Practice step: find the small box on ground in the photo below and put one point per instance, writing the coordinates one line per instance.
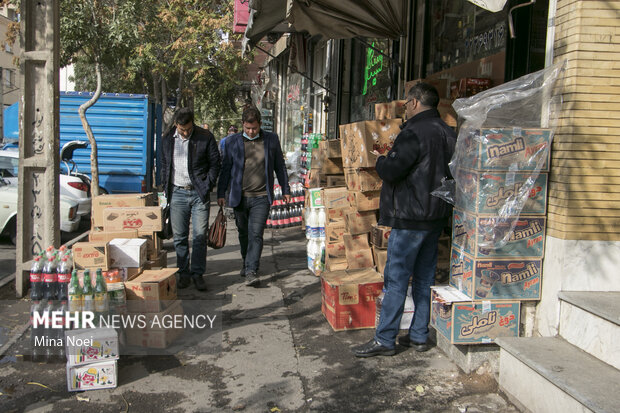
(136, 218)
(89, 345)
(152, 290)
(463, 321)
(91, 255)
(348, 298)
(94, 376)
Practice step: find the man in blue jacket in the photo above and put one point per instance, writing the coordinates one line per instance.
(412, 169)
(190, 166)
(250, 160)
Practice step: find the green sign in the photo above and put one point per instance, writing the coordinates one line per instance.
(374, 66)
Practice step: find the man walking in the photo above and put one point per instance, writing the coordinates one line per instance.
(412, 169)
(190, 166)
(250, 159)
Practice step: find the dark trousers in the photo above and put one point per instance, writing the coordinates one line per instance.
(251, 218)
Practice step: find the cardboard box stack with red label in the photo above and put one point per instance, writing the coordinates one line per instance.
(498, 233)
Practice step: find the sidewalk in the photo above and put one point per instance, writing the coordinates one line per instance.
(278, 354)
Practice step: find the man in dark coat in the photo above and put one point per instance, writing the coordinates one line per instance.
(250, 160)
(412, 169)
(190, 166)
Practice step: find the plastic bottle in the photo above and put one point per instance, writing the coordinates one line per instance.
(49, 252)
(88, 293)
(50, 280)
(36, 281)
(50, 333)
(64, 277)
(311, 253)
(286, 216)
(36, 333)
(308, 227)
(101, 297)
(321, 223)
(75, 295)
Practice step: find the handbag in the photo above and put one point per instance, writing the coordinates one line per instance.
(166, 232)
(217, 231)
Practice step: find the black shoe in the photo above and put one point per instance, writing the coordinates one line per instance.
(184, 282)
(373, 348)
(419, 347)
(242, 272)
(251, 279)
(200, 283)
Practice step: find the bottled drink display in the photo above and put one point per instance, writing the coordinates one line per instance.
(36, 281)
(283, 214)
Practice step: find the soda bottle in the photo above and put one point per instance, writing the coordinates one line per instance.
(50, 333)
(75, 295)
(269, 223)
(64, 277)
(88, 293)
(50, 280)
(101, 297)
(321, 223)
(36, 333)
(50, 251)
(36, 283)
(286, 217)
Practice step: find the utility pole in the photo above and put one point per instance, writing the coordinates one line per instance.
(38, 199)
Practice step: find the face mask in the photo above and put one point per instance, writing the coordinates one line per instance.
(245, 135)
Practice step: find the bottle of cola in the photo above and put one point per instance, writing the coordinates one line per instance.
(36, 332)
(64, 277)
(36, 282)
(50, 280)
(286, 216)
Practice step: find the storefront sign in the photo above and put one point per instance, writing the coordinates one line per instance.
(374, 66)
(487, 42)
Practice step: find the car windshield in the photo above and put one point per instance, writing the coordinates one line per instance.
(8, 166)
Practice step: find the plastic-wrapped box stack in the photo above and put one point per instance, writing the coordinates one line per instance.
(92, 355)
(498, 233)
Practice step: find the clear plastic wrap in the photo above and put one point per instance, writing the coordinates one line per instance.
(502, 156)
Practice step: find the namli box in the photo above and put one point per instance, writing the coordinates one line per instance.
(463, 321)
(359, 139)
(348, 298)
(138, 218)
(496, 279)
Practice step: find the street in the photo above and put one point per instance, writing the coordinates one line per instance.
(277, 353)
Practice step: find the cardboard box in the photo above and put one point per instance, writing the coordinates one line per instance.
(348, 298)
(154, 334)
(326, 165)
(335, 180)
(360, 222)
(153, 290)
(477, 235)
(496, 279)
(127, 252)
(160, 262)
(315, 197)
(463, 321)
(360, 138)
(137, 218)
(334, 233)
(89, 345)
(362, 179)
(507, 149)
(486, 193)
(334, 151)
(336, 263)
(380, 256)
(334, 198)
(366, 201)
(314, 179)
(101, 375)
(336, 216)
(390, 110)
(101, 202)
(442, 86)
(447, 112)
(128, 273)
(379, 236)
(356, 242)
(153, 244)
(335, 250)
(107, 236)
(91, 255)
(358, 259)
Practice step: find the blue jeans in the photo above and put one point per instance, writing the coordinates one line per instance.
(183, 205)
(409, 252)
(251, 218)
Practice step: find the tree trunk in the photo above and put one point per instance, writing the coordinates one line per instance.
(156, 88)
(94, 164)
(180, 88)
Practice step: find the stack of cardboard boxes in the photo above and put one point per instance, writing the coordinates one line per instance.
(497, 236)
(92, 355)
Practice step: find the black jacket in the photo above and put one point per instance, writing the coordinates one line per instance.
(203, 162)
(412, 169)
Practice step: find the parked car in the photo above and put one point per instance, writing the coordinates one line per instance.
(69, 219)
(70, 186)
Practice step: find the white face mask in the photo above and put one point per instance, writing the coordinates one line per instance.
(245, 135)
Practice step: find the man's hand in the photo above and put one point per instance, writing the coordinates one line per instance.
(221, 202)
(375, 152)
(287, 198)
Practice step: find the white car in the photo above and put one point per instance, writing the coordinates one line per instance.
(69, 219)
(70, 186)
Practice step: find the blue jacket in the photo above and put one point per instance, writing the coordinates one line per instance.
(203, 162)
(234, 162)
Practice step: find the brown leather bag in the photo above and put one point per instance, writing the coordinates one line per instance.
(217, 231)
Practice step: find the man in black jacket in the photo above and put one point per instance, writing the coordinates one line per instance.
(190, 166)
(412, 169)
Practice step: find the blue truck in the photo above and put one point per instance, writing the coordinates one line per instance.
(127, 128)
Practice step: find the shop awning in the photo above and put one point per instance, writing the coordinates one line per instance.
(333, 19)
(343, 19)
